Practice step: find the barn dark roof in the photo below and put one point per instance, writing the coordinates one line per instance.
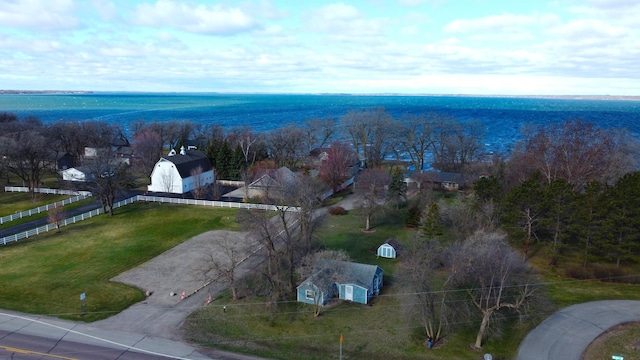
(190, 161)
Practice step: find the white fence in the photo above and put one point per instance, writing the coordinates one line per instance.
(38, 210)
(73, 220)
(46, 191)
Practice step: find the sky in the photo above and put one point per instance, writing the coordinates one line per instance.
(514, 47)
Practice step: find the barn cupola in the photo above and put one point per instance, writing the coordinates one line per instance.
(183, 151)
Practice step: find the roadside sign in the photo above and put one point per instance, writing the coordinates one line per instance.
(83, 296)
(617, 357)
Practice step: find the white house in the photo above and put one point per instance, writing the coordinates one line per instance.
(181, 173)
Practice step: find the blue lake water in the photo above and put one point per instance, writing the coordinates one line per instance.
(502, 117)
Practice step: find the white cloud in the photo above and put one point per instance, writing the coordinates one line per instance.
(344, 23)
(106, 10)
(216, 19)
(500, 23)
(38, 14)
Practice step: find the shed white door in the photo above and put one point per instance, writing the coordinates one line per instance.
(348, 292)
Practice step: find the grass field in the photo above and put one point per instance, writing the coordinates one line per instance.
(381, 331)
(13, 202)
(47, 274)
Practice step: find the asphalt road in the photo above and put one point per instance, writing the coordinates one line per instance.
(21, 346)
(45, 335)
(566, 334)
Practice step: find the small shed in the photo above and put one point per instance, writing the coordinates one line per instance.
(389, 249)
(80, 173)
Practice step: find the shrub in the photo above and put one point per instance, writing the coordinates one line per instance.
(337, 210)
(611, 273)
(579, 272)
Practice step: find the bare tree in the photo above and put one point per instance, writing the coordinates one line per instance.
(200, 189)
(318, 132)
(337, 167)
(321, 270)
(419, 270)
(370, 132)
(455, 143)
(111, 178)
(223, 259)
(370, 188)
(414, 138)
(286, 146)
(26, 153)
(495, 277)
(55, 216)
(147, 149)
(268, 237)
(576, 151)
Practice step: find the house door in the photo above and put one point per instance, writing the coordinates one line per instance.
(348, 292)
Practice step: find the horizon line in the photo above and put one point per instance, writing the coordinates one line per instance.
(559, 96)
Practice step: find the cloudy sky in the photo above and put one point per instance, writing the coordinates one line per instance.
(317, 46)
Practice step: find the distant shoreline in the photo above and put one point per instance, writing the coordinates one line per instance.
(568, 97)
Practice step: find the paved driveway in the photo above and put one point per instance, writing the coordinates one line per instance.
(566, 334)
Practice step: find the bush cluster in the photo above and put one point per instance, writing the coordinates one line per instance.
(337, 210)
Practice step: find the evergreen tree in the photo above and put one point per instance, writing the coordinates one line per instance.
(432, 226)
(621, 227)
(588, 215)
(397, 191)
(413, 215)
(237, 164)
(522, 210)
(488, 188)
(212, 151)
(224, 159)
(558, 199)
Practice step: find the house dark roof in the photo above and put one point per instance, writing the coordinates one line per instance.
(191, 160)
(434, 176)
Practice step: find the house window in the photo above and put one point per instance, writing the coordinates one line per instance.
(310, 294)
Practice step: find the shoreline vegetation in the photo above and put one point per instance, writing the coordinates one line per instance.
(523, 96)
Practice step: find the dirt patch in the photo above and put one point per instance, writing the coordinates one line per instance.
(182, 268)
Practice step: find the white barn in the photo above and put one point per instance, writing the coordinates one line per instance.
(181, 173)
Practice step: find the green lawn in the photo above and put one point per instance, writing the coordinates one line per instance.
(47, 274)
(380, 331)
(13, 202)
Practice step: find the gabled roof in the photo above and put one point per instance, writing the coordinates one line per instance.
(353, 273)
(191, 160)
(361, 274)
(394, 243)
(274, 178)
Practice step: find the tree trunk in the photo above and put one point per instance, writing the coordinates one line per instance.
(486, 315)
